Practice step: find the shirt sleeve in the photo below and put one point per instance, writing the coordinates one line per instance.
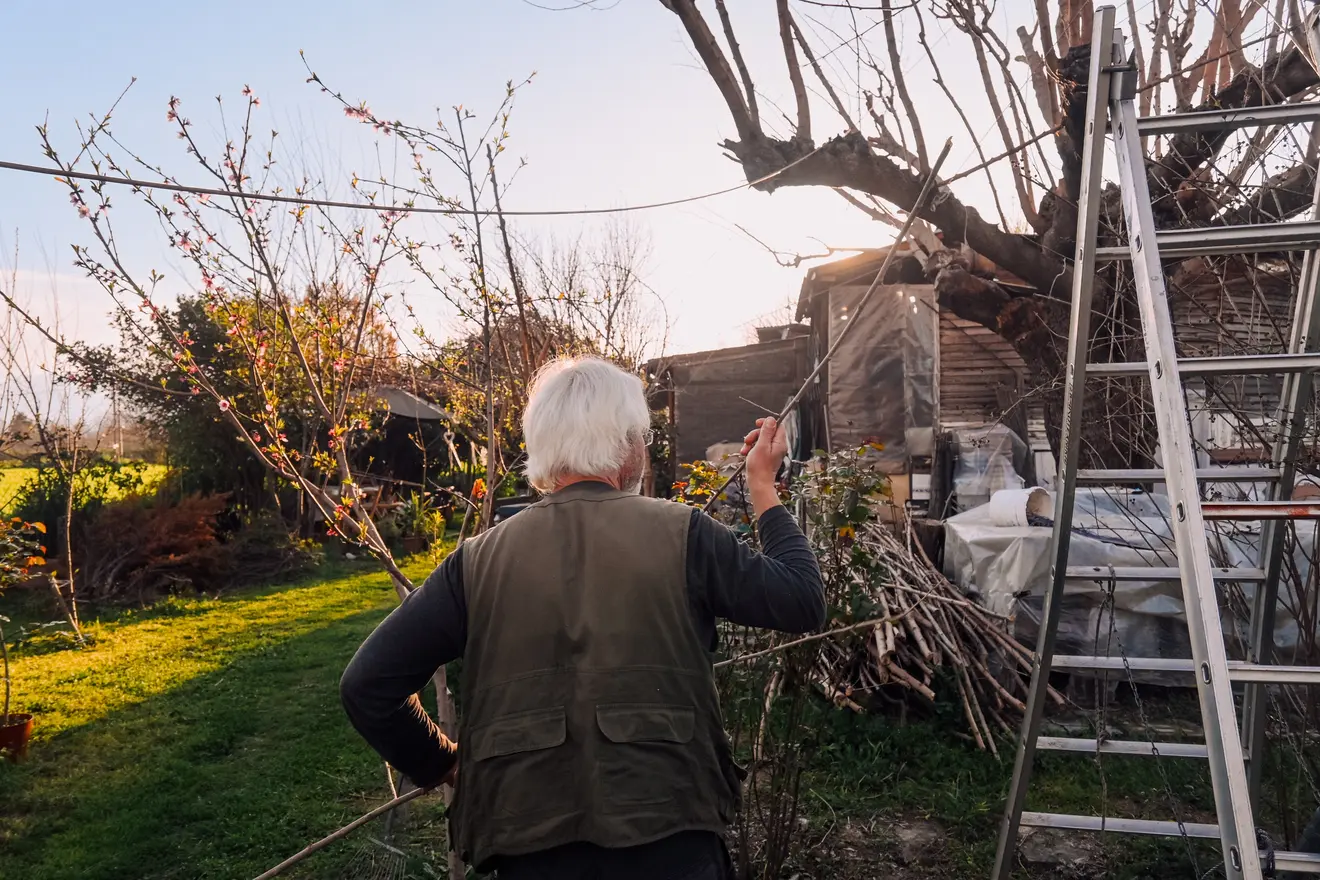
(380, 686)
(779, 588)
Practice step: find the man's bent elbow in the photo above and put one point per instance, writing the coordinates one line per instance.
(351, 685)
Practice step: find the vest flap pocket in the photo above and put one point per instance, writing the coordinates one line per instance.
(646, 722)
(523, 732)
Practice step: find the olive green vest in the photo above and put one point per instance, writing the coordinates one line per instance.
(589, 704)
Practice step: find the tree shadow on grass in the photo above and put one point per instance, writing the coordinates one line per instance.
(221, 777)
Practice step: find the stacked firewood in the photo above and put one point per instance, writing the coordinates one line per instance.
(931, 636)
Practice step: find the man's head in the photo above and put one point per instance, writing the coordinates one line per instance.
(586, 419)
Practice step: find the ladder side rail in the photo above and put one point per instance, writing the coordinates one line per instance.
(1296, 394)
(1079, 335)
(1219, 717)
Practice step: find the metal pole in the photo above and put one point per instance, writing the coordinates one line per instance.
(1079, 335)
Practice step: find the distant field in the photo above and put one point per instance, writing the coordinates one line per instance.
(12, 480)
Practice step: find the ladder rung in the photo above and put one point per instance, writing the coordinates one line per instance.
(1302, 863)
(1120, 826)
(1136, 664)
(1214, 366)
(1215, 240)
(1157, 573)
(1265, 673)
(1121, 747)
(1238, 671)
(1260, 510)
(1238, 474)
(1223, 120)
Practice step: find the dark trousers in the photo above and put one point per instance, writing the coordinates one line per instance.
(688, 856)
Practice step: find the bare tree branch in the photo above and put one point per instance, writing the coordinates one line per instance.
(749, 88)
(803, 133)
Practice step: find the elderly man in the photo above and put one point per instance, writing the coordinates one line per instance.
(592, 744)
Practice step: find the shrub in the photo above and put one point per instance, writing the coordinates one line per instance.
(45, 496)
(142, 547)
(145, 546)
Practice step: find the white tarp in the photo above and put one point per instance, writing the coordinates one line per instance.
(1008, 566)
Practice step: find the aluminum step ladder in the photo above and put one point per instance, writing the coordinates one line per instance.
(1235, 756)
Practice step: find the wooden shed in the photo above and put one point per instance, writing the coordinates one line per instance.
(715, 397)
(976, 378)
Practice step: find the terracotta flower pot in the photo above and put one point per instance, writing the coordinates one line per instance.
(14, 736)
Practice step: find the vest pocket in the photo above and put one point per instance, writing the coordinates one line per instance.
(647, 757)
(519, 770)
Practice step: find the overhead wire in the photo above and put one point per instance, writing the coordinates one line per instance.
(137, 183)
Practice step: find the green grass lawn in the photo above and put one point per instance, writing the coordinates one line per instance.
(202, 738)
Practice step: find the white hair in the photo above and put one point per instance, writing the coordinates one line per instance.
(586, 417)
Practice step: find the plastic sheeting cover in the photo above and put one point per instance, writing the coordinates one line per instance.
(989, 459)
(1009, 568)
(882, 379)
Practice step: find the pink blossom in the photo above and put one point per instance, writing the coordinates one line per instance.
(203, 198)
(171, 116)
(195, 390)
(82, 211)
(270, 408)
(247, 91)
(256, 438)
(256, 102)
(224, 406)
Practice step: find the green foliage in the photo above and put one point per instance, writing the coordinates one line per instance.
(20, 548)
(420, 517)
(699, 484)
(231, 340)
(45, 495)
(838, 494)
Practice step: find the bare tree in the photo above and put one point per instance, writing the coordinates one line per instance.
(1189, 55)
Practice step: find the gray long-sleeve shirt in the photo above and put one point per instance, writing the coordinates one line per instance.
(779, 588)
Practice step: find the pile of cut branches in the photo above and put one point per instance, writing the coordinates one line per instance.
(897, 627)
(931, 637)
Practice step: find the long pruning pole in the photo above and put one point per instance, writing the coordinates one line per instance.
(342, 832)
(926, 187)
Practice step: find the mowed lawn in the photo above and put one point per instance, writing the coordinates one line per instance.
(202, 738)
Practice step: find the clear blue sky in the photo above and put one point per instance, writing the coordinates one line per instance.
(620, 113)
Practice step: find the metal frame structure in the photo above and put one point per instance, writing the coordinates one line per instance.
(1234, 755)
